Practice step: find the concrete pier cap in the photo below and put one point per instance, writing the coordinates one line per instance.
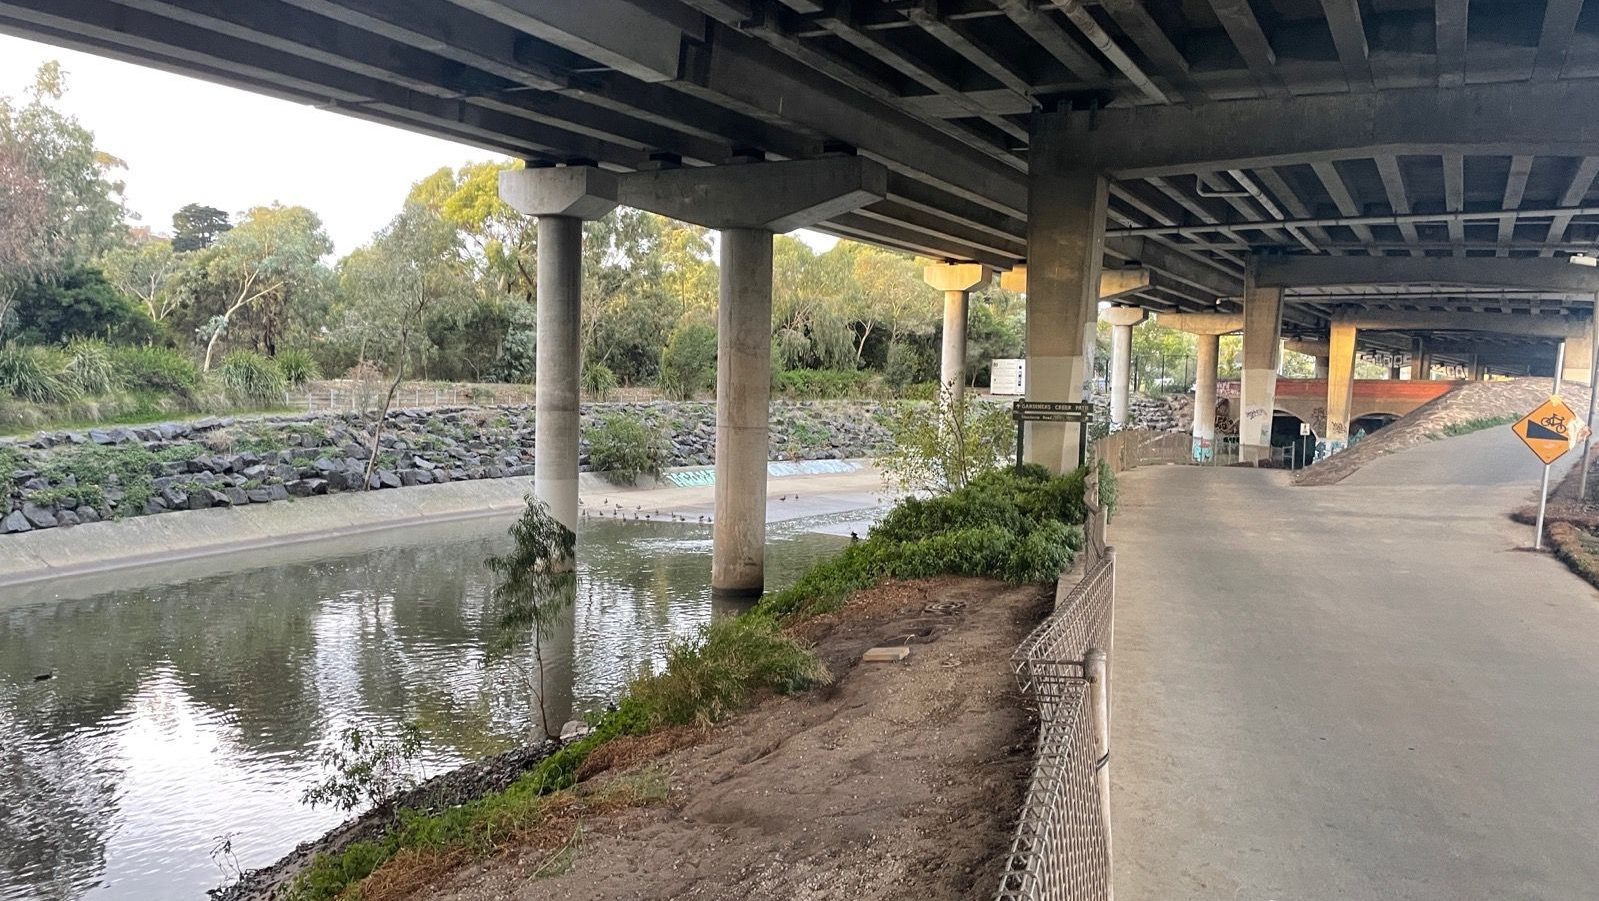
(577, 192)
(1113, 283)
(748, 202)
(774, 196)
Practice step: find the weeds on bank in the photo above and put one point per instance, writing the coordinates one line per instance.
(1020, 526)
(1456, 429)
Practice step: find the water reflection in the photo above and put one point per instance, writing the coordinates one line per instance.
(183, 707)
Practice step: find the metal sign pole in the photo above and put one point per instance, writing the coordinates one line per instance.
(1543, 503)
(1543, 490)
(1593, 400)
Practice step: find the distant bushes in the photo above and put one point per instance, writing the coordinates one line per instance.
(251, 380)
(156, 370)
(688, 364)
(36, 375)
(624, 448)
(823, 384)
(297, 366)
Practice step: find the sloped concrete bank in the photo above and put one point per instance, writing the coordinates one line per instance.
(684, 493)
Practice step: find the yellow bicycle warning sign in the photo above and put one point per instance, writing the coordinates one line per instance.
(1551, 430)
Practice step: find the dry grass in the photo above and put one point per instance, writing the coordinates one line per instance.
(551, 836)
(631, 751)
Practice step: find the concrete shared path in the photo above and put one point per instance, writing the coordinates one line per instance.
(1366, 691)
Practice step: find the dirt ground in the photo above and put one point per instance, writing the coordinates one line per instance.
(1472, 400)
(900, 780)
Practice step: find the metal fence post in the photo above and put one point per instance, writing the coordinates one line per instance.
(1097, 668)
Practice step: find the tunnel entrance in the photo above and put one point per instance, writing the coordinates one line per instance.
(1369, 423)
(1299, 450)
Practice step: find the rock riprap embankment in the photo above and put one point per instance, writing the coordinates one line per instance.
(66, 478)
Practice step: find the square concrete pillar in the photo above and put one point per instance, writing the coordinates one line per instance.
(1340, 385)
(1263, 323)
(1578, 367)
(1065, 246)
(1207, 353)
(1420, 361)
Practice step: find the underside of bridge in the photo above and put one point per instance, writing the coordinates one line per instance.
(1404, 179)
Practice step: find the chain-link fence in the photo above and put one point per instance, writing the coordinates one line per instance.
(1061, 849)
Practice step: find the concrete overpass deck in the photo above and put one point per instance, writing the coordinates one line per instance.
(1357, 692)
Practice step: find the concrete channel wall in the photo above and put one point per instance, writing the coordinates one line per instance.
(95, 547)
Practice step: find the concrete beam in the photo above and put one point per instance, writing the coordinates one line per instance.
(1536, 273)
(1113, 283)
(1478, 120)
(577, 192)
(642, 40)
(739, 71)
(1503, 323)
(776, 197)
(1202, 323)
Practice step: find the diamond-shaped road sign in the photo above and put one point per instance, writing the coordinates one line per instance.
(1551, 430)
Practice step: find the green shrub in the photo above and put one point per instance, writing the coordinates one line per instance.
(688, 365)
(89, 366)
(624, 448)
(1016, 525)
(821, 384)
(37, 375)
(945, 446)
(298, 367)
(155, 370)
(251, 380)
(908, 365)
(598, 380)
(732, 660)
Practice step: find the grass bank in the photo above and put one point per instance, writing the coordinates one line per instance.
(1017, 526)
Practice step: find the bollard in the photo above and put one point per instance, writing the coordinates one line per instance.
(1096, 667)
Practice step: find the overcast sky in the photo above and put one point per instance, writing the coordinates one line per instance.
(191, 141)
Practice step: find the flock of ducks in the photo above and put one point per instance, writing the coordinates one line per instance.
(609, 510)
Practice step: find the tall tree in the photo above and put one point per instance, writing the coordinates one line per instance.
(196, 227)
(498, 239)
(254, 274)
(145, 272)
(48, 159)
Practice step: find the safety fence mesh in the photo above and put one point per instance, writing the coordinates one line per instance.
(1061, 849)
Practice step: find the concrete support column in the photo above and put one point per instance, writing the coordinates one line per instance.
(1323, 367)
(956, 281)
(1393, 373)
(1065, 247)
(561, 198)
(1263, 320)
(556, 424)
(1420, 361)
(1207, 353)
(743, 389)
(1579, 357)
(1122, 320)
(1340, 385)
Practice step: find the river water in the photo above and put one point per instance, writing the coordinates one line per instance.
(187, 704)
